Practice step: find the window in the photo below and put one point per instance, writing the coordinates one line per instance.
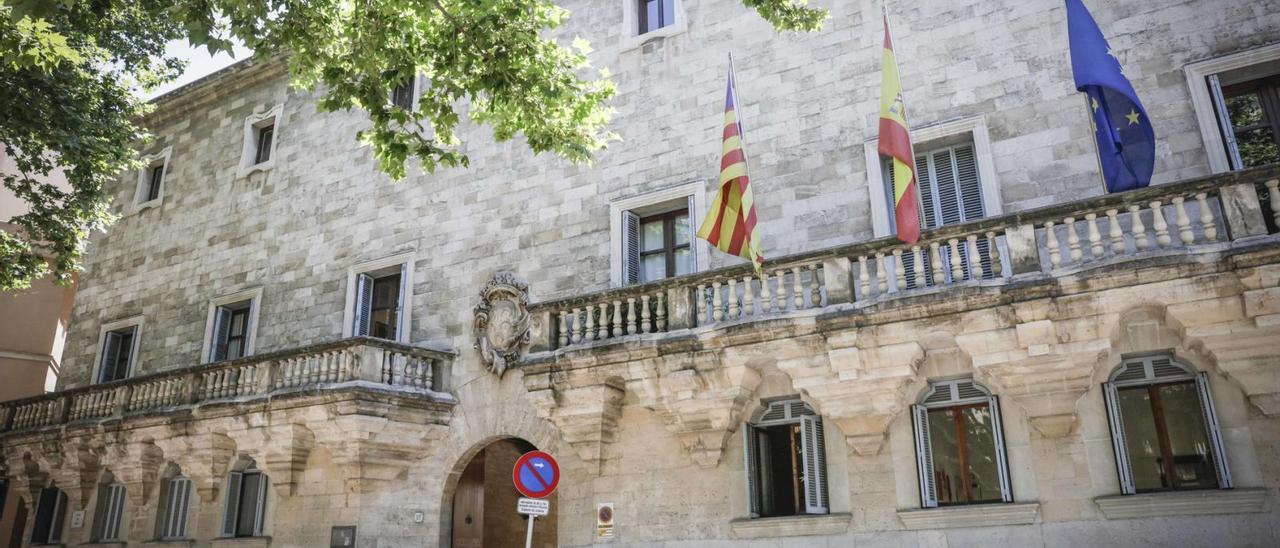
(1235, 101)
(118, 351)
(378, 299)
(51, 509)
(404, 95)
(246, 503)
(960, 450)
(652, 235)
(175, 501)
(1164, 429)
(151, 178)
(231, 331)
(265, 135)
(108, 512)
(260, 141)
(786, 464)
(655, 14)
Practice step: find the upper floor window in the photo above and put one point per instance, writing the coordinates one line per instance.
(51, 509)
(118, 350)
(266, 135)
(652, 234)
(404, 95)
(379, 299)
(786, 463)
(232, 323)
(1164, 429)
(960, 449)
(246, 502)
(175, 501)
(108, 512)
(260, 141)
(151, 178)
(655, 14)
(1237, 103)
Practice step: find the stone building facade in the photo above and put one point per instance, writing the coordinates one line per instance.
(275, 344)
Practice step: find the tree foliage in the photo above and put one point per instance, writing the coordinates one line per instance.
(72, 71)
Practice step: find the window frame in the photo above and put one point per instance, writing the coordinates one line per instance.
(1202, 97)
(173, 512)
(108, 512)
(57, 521)
(632, 39)
(351, 313)
(136, 322)
(141, 192)
(415, 85)
(815, 493)
(669, 245)
(959, 394)
(230, 525)
(253, 125)
(1184, 373)
(988, 180)
(254, 296)
(620, 210)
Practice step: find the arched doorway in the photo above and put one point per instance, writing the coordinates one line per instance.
(484, 502)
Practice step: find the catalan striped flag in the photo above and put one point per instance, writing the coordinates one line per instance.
(730, 225)
(895, 142)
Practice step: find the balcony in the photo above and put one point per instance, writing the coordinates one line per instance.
(373, 367)
(1029, 302)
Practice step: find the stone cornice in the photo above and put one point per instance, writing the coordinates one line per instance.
(1214, 501)
(977, 515)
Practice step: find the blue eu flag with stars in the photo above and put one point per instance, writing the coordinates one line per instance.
(1126, 140)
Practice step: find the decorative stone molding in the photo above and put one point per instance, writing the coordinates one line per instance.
(978, 515)
(502, 321)
(137, 465)
(372, 448)
(74, 467)
(586, 416)
(790, 526)
(288, 447)
(203, 457)
(1216, 501)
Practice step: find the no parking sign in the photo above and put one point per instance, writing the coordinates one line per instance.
(536, 474)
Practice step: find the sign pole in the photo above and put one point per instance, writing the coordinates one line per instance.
(528, 536)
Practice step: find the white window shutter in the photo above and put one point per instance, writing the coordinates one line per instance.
(749, 452)
(1002, 458)
(815, 465)
(184, 508)
(110, 353)
(100, 513)
(1215, 433)
(59, 516)
(1224, 123)
(693, 235)
(630, 248)
(164, 510)
(232, 507)
(402, 304)
(221, 332)
(261, 508)
(968, 183)
(1118, 441)
(924, 456)
(115, 512)
(363, 304)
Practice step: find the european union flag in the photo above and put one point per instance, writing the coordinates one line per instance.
(1126, 140)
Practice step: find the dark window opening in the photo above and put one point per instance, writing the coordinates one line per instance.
(665, 249)
(780, 470)
(379, 304)
(117, 354)
(403, 94)
(1253, 113)
(154, 180)
(231, 331)
(51, 508)
(1166, 437)
(265, 136)
(655, 14)
(246, 504)
(965, 468)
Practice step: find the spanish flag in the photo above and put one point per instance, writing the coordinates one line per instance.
(895, 142)
(730, 225)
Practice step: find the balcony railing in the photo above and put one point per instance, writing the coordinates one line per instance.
(1198, 215)
(357, 361)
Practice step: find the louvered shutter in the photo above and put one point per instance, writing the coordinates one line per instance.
(749, 452)
(59, 514)
(402, 304)
(815, 465)
(115, 512)
(363, 304)
(164, 512)
(1118, 441)
(1002, 458)
(221, 333)
(261, 505)
(693, 256)
(1214, 432)
(176, 497)
(110, 355)
(232, 508)
(942, 170)
(968, 186)
(630, 247)
(100, 512)
(924, 456)
(1224, 123)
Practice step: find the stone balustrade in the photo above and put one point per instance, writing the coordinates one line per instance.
(357, 360)
(1058, 240)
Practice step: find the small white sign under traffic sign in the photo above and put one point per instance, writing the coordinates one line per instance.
(533, 507)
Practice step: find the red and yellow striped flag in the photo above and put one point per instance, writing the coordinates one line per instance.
(895, 142)
(730, 225)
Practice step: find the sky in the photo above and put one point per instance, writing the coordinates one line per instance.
(199, 64)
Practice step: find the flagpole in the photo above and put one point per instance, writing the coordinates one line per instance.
(1097, 152)
(742, 136)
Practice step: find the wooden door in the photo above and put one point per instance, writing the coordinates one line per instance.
(468, 506)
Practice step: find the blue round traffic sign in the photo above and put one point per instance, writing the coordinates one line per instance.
(536, 474)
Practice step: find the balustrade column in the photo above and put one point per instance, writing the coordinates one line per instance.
(1183, 221)
(631, 315)
(864, 277)
(717, 304)
(1114, 233)
(661, 312)
(882, 282)
(734, 311)
(781, 275)
(562, 339)
(617, 318)
(957, 268)
(993, 251)
(575, 334)
(1137, 229)
(975, 258)
(1159, 225)
(766, 298)
(1206, 217)
(701, 297)
(1273, 196)
(1051, 241)
(1073, 240)
(645, 325)
(748, 299)
(1095, 238)
(899, 270)
(935, 260)
(797, 289)
(815, 286)
(602, 330)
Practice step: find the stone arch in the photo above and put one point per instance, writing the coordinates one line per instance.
(494, 481)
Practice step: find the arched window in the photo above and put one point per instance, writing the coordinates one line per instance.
(175, 500)
(246, 502)
(108, 511)
(1163, 427)
(786, 464)
(51, 508)
(960, 445)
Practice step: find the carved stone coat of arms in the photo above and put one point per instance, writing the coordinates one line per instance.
(502, 321)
